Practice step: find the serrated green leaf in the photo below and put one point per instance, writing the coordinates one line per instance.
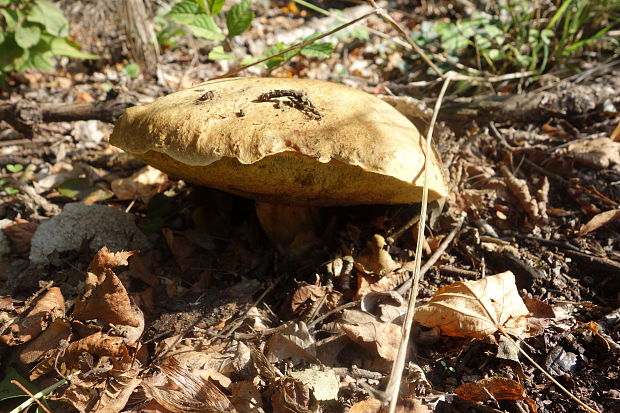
(239, 19)
(27, 36)
(215, 6)
(184, 12)
(318, 50)
(217, 53)
(14, 168)
(204, 26)
(63, 47)
(50, 16)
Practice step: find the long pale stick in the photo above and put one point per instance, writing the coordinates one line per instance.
(396, 375)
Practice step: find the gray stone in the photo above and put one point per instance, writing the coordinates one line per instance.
(102, 225)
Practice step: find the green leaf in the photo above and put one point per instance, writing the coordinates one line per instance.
(482, 42)
(39, 62)
(494, 33)
(451, 38)
(132, 70)
(215, 6)
(360, 33)
(50, 16)
(317, 50)
(7, 389)
(11, 17)
(14, 168)
(76, 188)
(10, 52)
(204, 26)
(239, 18)
(27, 36)
(64, 47)
(217, 53)
(184, 12)
(10, 190)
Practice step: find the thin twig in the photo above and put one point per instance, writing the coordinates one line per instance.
(393, 386)
(334, 311)
(297, 46)
(433, 258)
(405, 36)
(554, 381)
(29, 393)
(237, 323)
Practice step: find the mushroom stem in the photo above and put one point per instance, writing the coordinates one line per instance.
(292, 228)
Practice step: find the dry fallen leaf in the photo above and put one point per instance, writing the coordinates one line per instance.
(75, 356)
(597, 153)
(108, 302)
(324, 384)
(105, 259)
(518, 187)
(375, 259)
(295, 343)
(48, 308)
(476, 308)
(47, 340)
(20, 234)
(292, 396)
(494, 388)
(381, 339)
(305, 296)
(142, 185)
(599, 220)
(366, 406)
(246, 397)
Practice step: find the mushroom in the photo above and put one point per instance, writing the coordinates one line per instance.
(286, 143)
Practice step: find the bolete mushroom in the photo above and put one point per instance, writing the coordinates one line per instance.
(285, 143)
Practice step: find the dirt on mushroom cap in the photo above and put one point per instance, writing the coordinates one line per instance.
(295, 141)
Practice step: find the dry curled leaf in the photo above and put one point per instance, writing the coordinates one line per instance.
(518, 187)
(476, 308)
(108, 302)
(494, 388)
(105, 259)
(375, 259)
(599, 220)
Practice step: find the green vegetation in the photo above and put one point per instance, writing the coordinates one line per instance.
(31, 33)
(519, 36)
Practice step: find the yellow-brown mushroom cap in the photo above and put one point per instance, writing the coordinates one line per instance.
(292, 141)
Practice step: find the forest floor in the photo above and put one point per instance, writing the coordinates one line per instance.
(153, 294)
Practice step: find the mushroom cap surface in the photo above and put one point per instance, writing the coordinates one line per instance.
(291, 141)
